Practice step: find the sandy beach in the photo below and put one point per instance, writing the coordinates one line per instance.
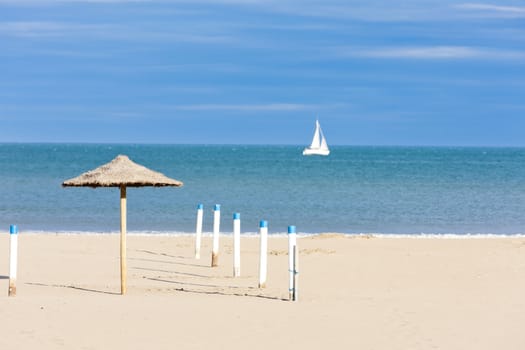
(354, 292)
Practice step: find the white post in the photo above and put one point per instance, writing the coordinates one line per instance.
(216, 227)
(296, 271)
(236, 245)
(13, 259)
(263, 261)
(198, 231)
(292, 262)
(123, 244)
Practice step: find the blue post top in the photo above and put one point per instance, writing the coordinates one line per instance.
(13, 229)
(236, 216)
(200, 206)
(263, 223)
(217, 207)
(291, 229)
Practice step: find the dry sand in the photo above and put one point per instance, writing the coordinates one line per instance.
(355, 293)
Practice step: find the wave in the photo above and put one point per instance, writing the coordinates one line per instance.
(284, 234)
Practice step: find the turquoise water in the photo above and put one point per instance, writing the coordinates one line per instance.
(390, 190)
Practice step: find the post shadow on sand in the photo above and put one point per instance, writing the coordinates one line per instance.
(183, 288)
(162, 254)
(168, 256)
(215, 292)
(171, 272)
(167, 262)
(185, 285)
(4, 277)
(70, 287)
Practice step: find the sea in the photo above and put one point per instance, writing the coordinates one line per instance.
(356, 190)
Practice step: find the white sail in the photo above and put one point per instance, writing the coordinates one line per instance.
(316, 142)
(318, 145)
(324, 145)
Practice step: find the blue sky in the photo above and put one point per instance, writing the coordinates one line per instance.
(375, 72)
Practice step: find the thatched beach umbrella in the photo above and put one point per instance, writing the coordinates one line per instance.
(121, 172)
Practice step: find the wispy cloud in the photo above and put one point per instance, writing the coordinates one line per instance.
(491, 10)
(54, 2)
(366, 10)
(274, 107)
(496, 8)
(51, 29)
(434, 53)
(439, 52)
(128, 32)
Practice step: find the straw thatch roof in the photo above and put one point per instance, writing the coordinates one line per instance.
(121, 171)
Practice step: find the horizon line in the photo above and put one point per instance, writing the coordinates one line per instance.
(336, 145)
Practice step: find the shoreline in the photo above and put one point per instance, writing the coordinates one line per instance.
(209, 234)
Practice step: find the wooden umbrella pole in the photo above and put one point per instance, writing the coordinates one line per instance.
(122, 240)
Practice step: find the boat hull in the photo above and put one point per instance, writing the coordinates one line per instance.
(315, 152)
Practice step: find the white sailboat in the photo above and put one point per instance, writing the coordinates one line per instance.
(318, 145)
